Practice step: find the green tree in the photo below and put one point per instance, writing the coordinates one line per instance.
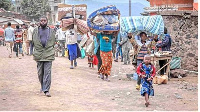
(34, 9)
(6, 4)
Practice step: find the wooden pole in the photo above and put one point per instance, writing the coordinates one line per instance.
(163, 67)
(129, 7)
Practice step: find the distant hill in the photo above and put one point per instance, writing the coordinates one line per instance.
(136, 8)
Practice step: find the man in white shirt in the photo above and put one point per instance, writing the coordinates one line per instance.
(29, 38)
(60, 36)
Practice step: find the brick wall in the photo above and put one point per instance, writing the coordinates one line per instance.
(173, 2)
(183, 28)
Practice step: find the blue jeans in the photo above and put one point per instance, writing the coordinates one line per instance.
(119, 51)
(19, 48)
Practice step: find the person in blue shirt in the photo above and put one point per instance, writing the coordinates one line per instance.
(165, 44)
(105, 40)
(119, 49)
(97, 53)
(9, 35)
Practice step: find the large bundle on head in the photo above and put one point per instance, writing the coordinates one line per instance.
(66, 11)
(69, 14)
(104, 19)
(135, 24)
(82, 26)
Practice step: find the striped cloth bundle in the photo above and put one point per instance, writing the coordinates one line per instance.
(81, 25)
(67, 22)
(135, 24)
(175, 63)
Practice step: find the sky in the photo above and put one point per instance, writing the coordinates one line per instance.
(145, 2)
(122, 5)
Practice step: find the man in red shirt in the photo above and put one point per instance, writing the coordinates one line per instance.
(18, 41)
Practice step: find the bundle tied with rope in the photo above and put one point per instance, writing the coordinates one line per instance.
(104, 19)
(71, 15)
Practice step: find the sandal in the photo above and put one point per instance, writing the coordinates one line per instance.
(137, 87)
(108, 80)
(102, 76)
(75, 64)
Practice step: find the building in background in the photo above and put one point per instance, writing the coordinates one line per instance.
(53, 4)
(195, 5)
(54, 10)
(13, 17)
(157, 6)
(17, 4)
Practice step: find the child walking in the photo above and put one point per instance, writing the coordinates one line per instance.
(146, 72)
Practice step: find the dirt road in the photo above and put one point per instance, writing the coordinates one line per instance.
(80, 89)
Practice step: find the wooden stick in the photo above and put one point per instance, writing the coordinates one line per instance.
(163, 66)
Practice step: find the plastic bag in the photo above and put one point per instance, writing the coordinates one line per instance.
(82, 53)
(66, 53)
(95, 60)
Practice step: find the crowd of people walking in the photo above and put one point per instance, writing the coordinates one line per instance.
(45, 43)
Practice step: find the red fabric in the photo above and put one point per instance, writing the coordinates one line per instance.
(18, 36)
(95, 60)
(143, 73)
(1, 32)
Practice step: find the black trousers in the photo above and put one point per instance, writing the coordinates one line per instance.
(162, 63)
(99, 58)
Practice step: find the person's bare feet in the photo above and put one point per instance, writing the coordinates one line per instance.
(10, 56)
(147, 104)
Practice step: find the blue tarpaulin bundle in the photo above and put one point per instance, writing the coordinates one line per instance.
(135, 24)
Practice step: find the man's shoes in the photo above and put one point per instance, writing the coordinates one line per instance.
(116, 60)
(47, 94)
(125, 64)
(71, 67)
